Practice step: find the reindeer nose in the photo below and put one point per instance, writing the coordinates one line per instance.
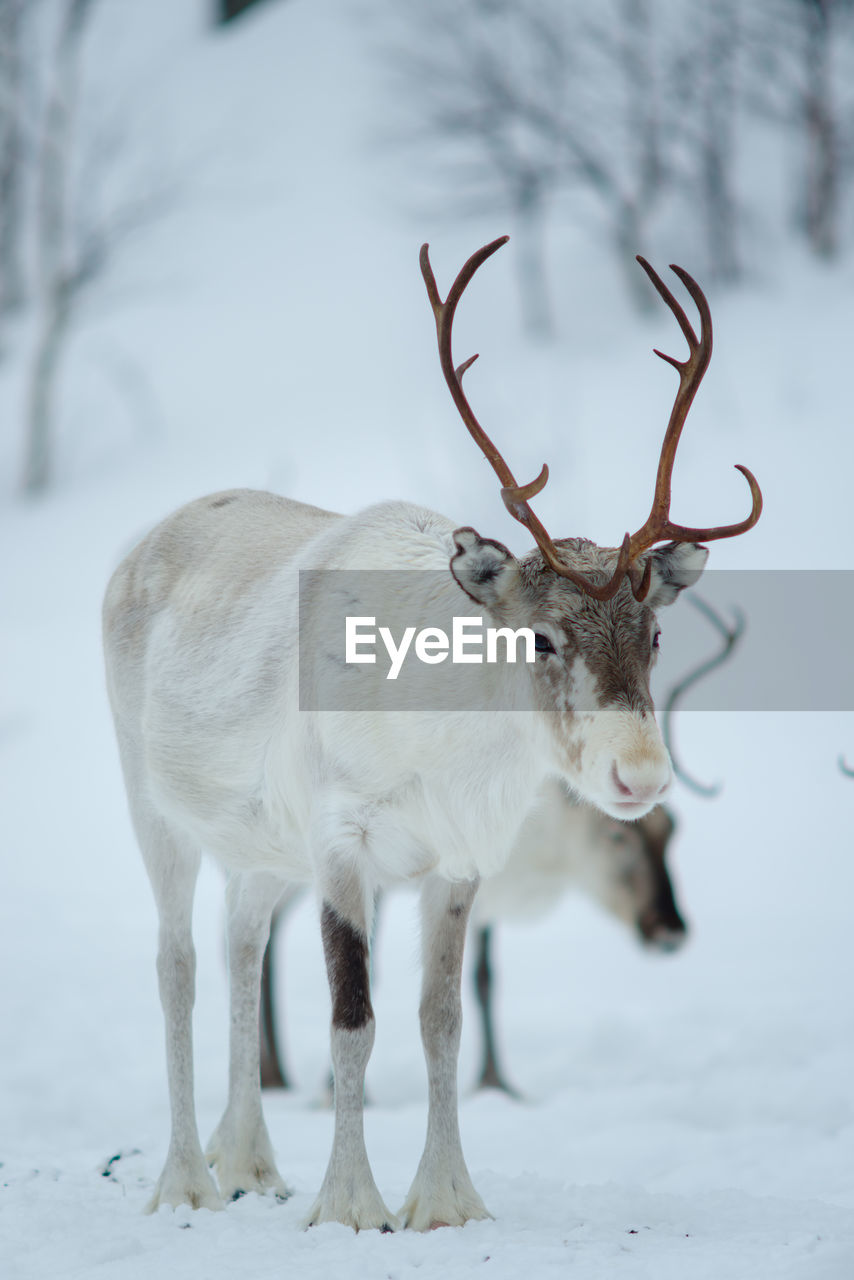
(659, 923)
(639, 785)
(660, 936)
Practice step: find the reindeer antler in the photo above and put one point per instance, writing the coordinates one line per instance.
(730, 637)
(516, 497)
(658, 526)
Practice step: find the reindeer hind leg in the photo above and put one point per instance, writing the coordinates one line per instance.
(172, 864)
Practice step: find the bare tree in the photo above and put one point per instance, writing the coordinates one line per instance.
(803, 51)
(704, 94)
(718, 108)
(61, 273)
(78, 231)
(12, 159)
(614, 135)
(484, 86)
(822, 27)
(527, 103)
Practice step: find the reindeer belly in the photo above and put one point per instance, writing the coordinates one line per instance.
(465, 840)
(228, 816)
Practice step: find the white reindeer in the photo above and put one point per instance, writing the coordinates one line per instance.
(216, 665)
(562, 846)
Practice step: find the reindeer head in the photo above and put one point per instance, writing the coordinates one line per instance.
(593, 608)
(623, 866)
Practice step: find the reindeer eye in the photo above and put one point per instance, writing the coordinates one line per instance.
(542, 643)
(656, 640)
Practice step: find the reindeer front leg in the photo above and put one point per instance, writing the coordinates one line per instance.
(442, 1193)
(349, 1193)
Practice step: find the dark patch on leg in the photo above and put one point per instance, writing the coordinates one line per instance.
(346, 951)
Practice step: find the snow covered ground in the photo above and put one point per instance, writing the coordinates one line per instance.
(688, 1117)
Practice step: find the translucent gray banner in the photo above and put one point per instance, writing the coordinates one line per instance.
(793, 655)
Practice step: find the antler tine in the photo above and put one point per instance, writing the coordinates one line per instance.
(444, 313)
(515, 496)
(658, 525)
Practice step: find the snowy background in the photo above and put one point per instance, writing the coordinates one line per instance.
(686, 1117)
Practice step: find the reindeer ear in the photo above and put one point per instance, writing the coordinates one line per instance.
(484, 569)
(674, 567)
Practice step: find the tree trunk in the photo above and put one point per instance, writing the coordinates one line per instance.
(821, 198)
(11, 157)
(535, 295)
(630, 237)
(40, 416)
(720, 208)
(58, 282)
(636, 192)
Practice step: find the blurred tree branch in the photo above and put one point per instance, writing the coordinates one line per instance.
(803, 55)
(78, 229)
(632, 109)
(12, 146)
(529, 102)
